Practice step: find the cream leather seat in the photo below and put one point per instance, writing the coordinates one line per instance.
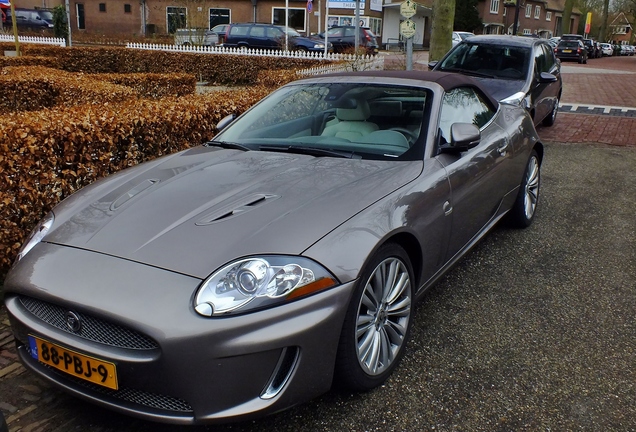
(352, 123)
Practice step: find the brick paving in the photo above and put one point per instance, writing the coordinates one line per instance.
(34, 406)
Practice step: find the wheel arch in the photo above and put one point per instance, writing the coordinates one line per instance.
(413, 249)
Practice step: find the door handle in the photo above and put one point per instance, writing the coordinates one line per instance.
(503, 148)
(448, 208)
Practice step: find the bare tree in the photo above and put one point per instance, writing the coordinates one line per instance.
(602, 33)
(442, 28)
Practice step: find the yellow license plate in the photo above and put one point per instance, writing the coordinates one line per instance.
(567, 51)
(78, 365)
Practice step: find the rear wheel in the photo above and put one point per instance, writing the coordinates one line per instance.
(378, 321)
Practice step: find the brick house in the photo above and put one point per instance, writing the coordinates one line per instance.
(620, 30)
(536, 17)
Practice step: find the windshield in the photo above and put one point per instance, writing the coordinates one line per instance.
(497, 61)
(371, 121)
(46, 15)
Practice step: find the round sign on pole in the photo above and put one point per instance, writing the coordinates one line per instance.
(310, 5)
(407, 29)
(408, 8)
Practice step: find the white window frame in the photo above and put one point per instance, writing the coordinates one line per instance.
(548, 16)
(527, 32)
(537, 12)
(229, 14)
(303, 10)
(168, 16)
(528, 10)
(494, 6)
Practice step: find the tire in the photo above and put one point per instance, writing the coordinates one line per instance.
(524, 209)
(375, 331)
(551, 118)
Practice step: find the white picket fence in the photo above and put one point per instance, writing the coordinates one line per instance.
(33, 39)
(346, 62)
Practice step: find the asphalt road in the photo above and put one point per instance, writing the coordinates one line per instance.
(533, 330)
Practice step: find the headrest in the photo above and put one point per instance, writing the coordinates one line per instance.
(360, 113)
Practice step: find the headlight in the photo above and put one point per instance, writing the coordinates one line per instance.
(259, 282)
(319, 46)
(36, 235)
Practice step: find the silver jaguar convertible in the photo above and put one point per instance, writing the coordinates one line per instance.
(250, 274)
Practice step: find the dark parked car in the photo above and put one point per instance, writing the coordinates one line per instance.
(590, 46)
(30, 19)
(269, 36)
(514, 69)
(571, 50)
(242, 277)
(343, 39)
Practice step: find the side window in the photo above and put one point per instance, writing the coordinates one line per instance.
(539, 60)
(463, 105)
(257, 32)
(274, 33)
(549, 58)
(349, 31)
(238, 30)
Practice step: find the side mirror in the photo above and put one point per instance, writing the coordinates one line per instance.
(432, 64)
(225, 121)
(546, 77)
(464, 136)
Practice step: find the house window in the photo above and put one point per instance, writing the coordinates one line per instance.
(527, 32)
(528, 11)
(127, 8)
(494, 6)
(102, 7)
(548, 16)
(219, 16)
(537, 12)
(175, 18)
(79, 12)
(296, 17)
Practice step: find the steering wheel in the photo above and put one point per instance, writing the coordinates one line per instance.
(409, 134)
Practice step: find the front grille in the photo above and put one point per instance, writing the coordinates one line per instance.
(93, 329)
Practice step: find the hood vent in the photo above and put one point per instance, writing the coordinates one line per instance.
(132, 192)
(238, 207)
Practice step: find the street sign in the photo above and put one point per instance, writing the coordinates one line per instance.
(407, 28)
(310, 5)
(408, 8)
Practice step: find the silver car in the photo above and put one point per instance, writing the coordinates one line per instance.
(244, 276)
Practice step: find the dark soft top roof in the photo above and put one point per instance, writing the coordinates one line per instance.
(446, 80)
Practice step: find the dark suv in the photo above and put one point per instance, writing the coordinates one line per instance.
(269, 36)
(343, 39)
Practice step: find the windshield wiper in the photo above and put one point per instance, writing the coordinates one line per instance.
(312, 151)
(227, 145)
(469, 72)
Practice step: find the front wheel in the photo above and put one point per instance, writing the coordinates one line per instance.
(551, 118)
(523, 210)
(378, 321)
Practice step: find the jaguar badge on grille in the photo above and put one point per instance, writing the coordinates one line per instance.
(73, 322)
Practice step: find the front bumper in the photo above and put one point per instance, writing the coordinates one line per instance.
(199, 370)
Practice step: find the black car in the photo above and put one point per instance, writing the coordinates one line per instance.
(571, 50)
(269, 36)
(514, 69)
(343, 39)
(590, 46)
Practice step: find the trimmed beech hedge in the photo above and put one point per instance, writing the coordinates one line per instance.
(218, 68)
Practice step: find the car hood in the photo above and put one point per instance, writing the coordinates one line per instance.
(196, 210)
(502, 88)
